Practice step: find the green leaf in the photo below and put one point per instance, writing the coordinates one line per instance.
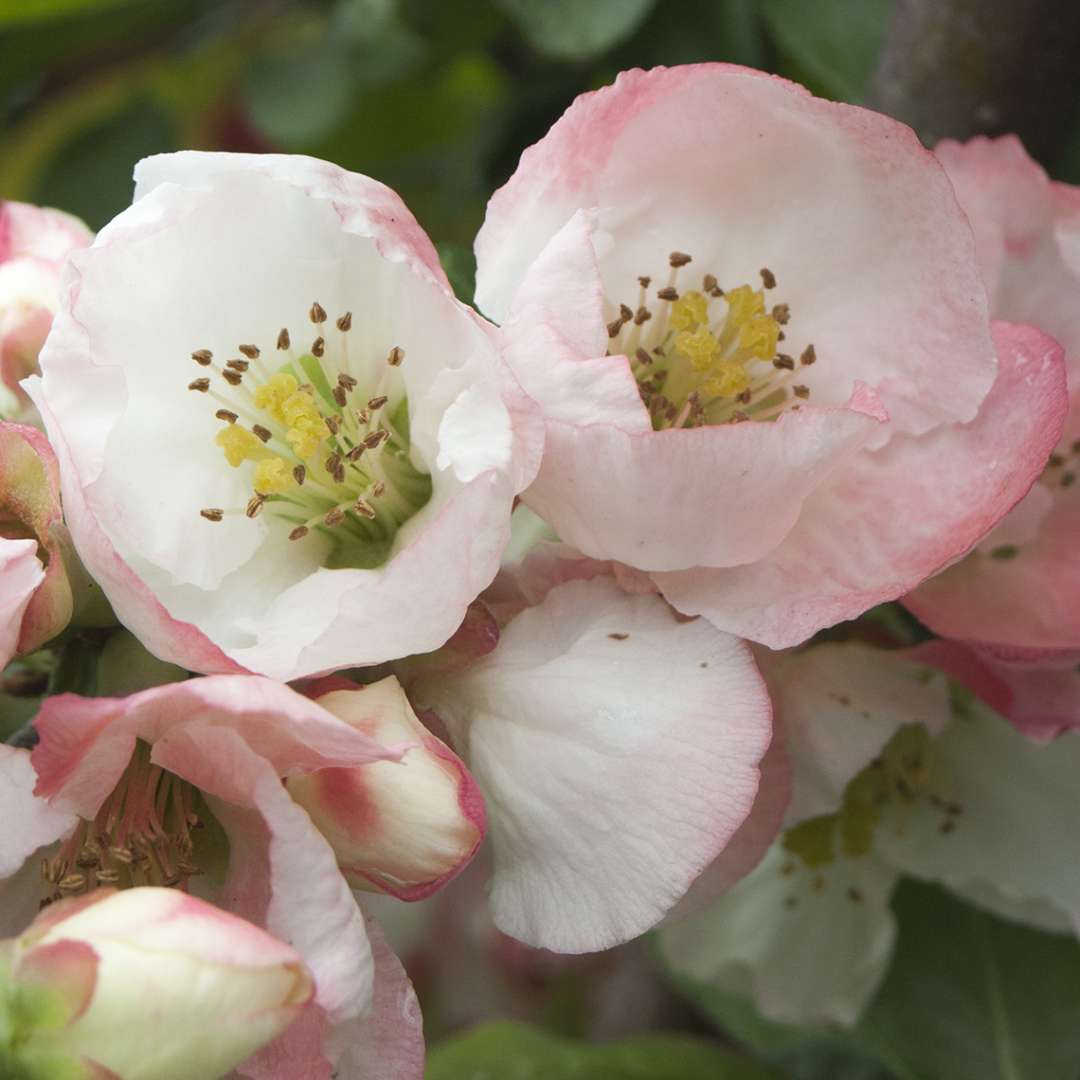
(972, 997)
(833, 43)
(459, 262)
(509, 1051)
(573, 30)
(18, 11)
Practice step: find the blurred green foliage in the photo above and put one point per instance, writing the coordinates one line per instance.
(435, 97)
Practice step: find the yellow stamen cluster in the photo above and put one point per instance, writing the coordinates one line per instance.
(711, 355)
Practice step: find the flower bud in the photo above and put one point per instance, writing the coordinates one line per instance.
(144, 984)
(402, 827)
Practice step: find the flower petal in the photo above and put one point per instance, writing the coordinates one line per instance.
(885, 521)
(618, 749)
(39, 824)
(21, 573)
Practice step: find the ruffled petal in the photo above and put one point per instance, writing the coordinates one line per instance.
(618, 749)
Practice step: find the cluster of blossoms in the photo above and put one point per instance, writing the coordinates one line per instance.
(397, 579)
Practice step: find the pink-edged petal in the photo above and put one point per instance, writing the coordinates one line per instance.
(1016, 591)
(282, 874)
(39, 231)
(86, 743)
(886, 521)
(753, 837)
(67, 970)
(618, 749)
(365, 207)
(662, 500)
(39, 824)
(387, 1043)
(21, 573)
(744, 170)
(403, 827)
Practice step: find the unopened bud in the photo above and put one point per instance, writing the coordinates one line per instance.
(402, 827)
(145, 984)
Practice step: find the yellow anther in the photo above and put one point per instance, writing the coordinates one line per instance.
(239, 444)
(299, 406)
(759, 336)
(699, 346)
(690, 310)
(273, 476)
(727, 380)
(743, 304)
(307, 429)
(812, 840)
(273, 394)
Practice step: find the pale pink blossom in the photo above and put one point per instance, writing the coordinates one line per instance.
(1020, 588)
(34, 242)
(147, 984)
(147, 789)
(793, 260)
(619, 747)
(285, 447)
(893, 774)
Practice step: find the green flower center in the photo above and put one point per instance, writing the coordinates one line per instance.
(324, 438)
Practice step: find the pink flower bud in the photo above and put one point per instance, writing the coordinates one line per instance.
(403, 827)
(145, 984)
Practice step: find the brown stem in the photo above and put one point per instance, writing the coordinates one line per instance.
(963, 67)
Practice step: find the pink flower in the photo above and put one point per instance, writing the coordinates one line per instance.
(619, 748)
(147, 789)
(34, 243)
(1020, 588)
(35, 592)
(303, 452)
(146, 984)
(759, 254)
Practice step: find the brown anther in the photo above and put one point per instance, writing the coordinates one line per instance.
(237, 365)
(644, 281)
(318, 348)
(614, 327)
(365, 510)
(227, 415)
(781, 336)
(641, 316)
(299, 532)
(668, 292)
(801, 391)
(317, 314)
(212, 513)
(88, 857)
(376, 437)
(344, 324)
(717, 291)
(71, 883)
(202, 357)
(678, 258)
(233, 378)
(335, 467)
(362, 417)
(107, 877)
(642, 357)
(261, 433)
(745, 397)
(738, 417)
(378, 489)
(808, 356)
(376, 403)
(708, 283)
(784, 362)
(397, 355)
(340, 396)
(255, 505)
(626, 313)
(122, 855)
(300, 475)
(250, 351)
(782, 313)
(768, 278)
(283, 339)
(334, 516)
(355, 453)
(200, 385)
(1055, 461)
(346, 381)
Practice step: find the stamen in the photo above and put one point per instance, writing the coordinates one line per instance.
(237, 365)
(199, 385)
(365, 510)
(801, 391)
(250, 351)
(768, 278)
(318, 347)
(784, 362)
(678, 258)
(344, 324)
(299, 475)
(232, 377)
(397, 355)
(202, 357)
(261, 433)
(228, 416)
(317, 314)
(377, 403)
(347, 382)
(299, 532)
(334, 516)
(212, 514)
(283, 339)
(808, 356)
(669, 292)
(255, 505)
